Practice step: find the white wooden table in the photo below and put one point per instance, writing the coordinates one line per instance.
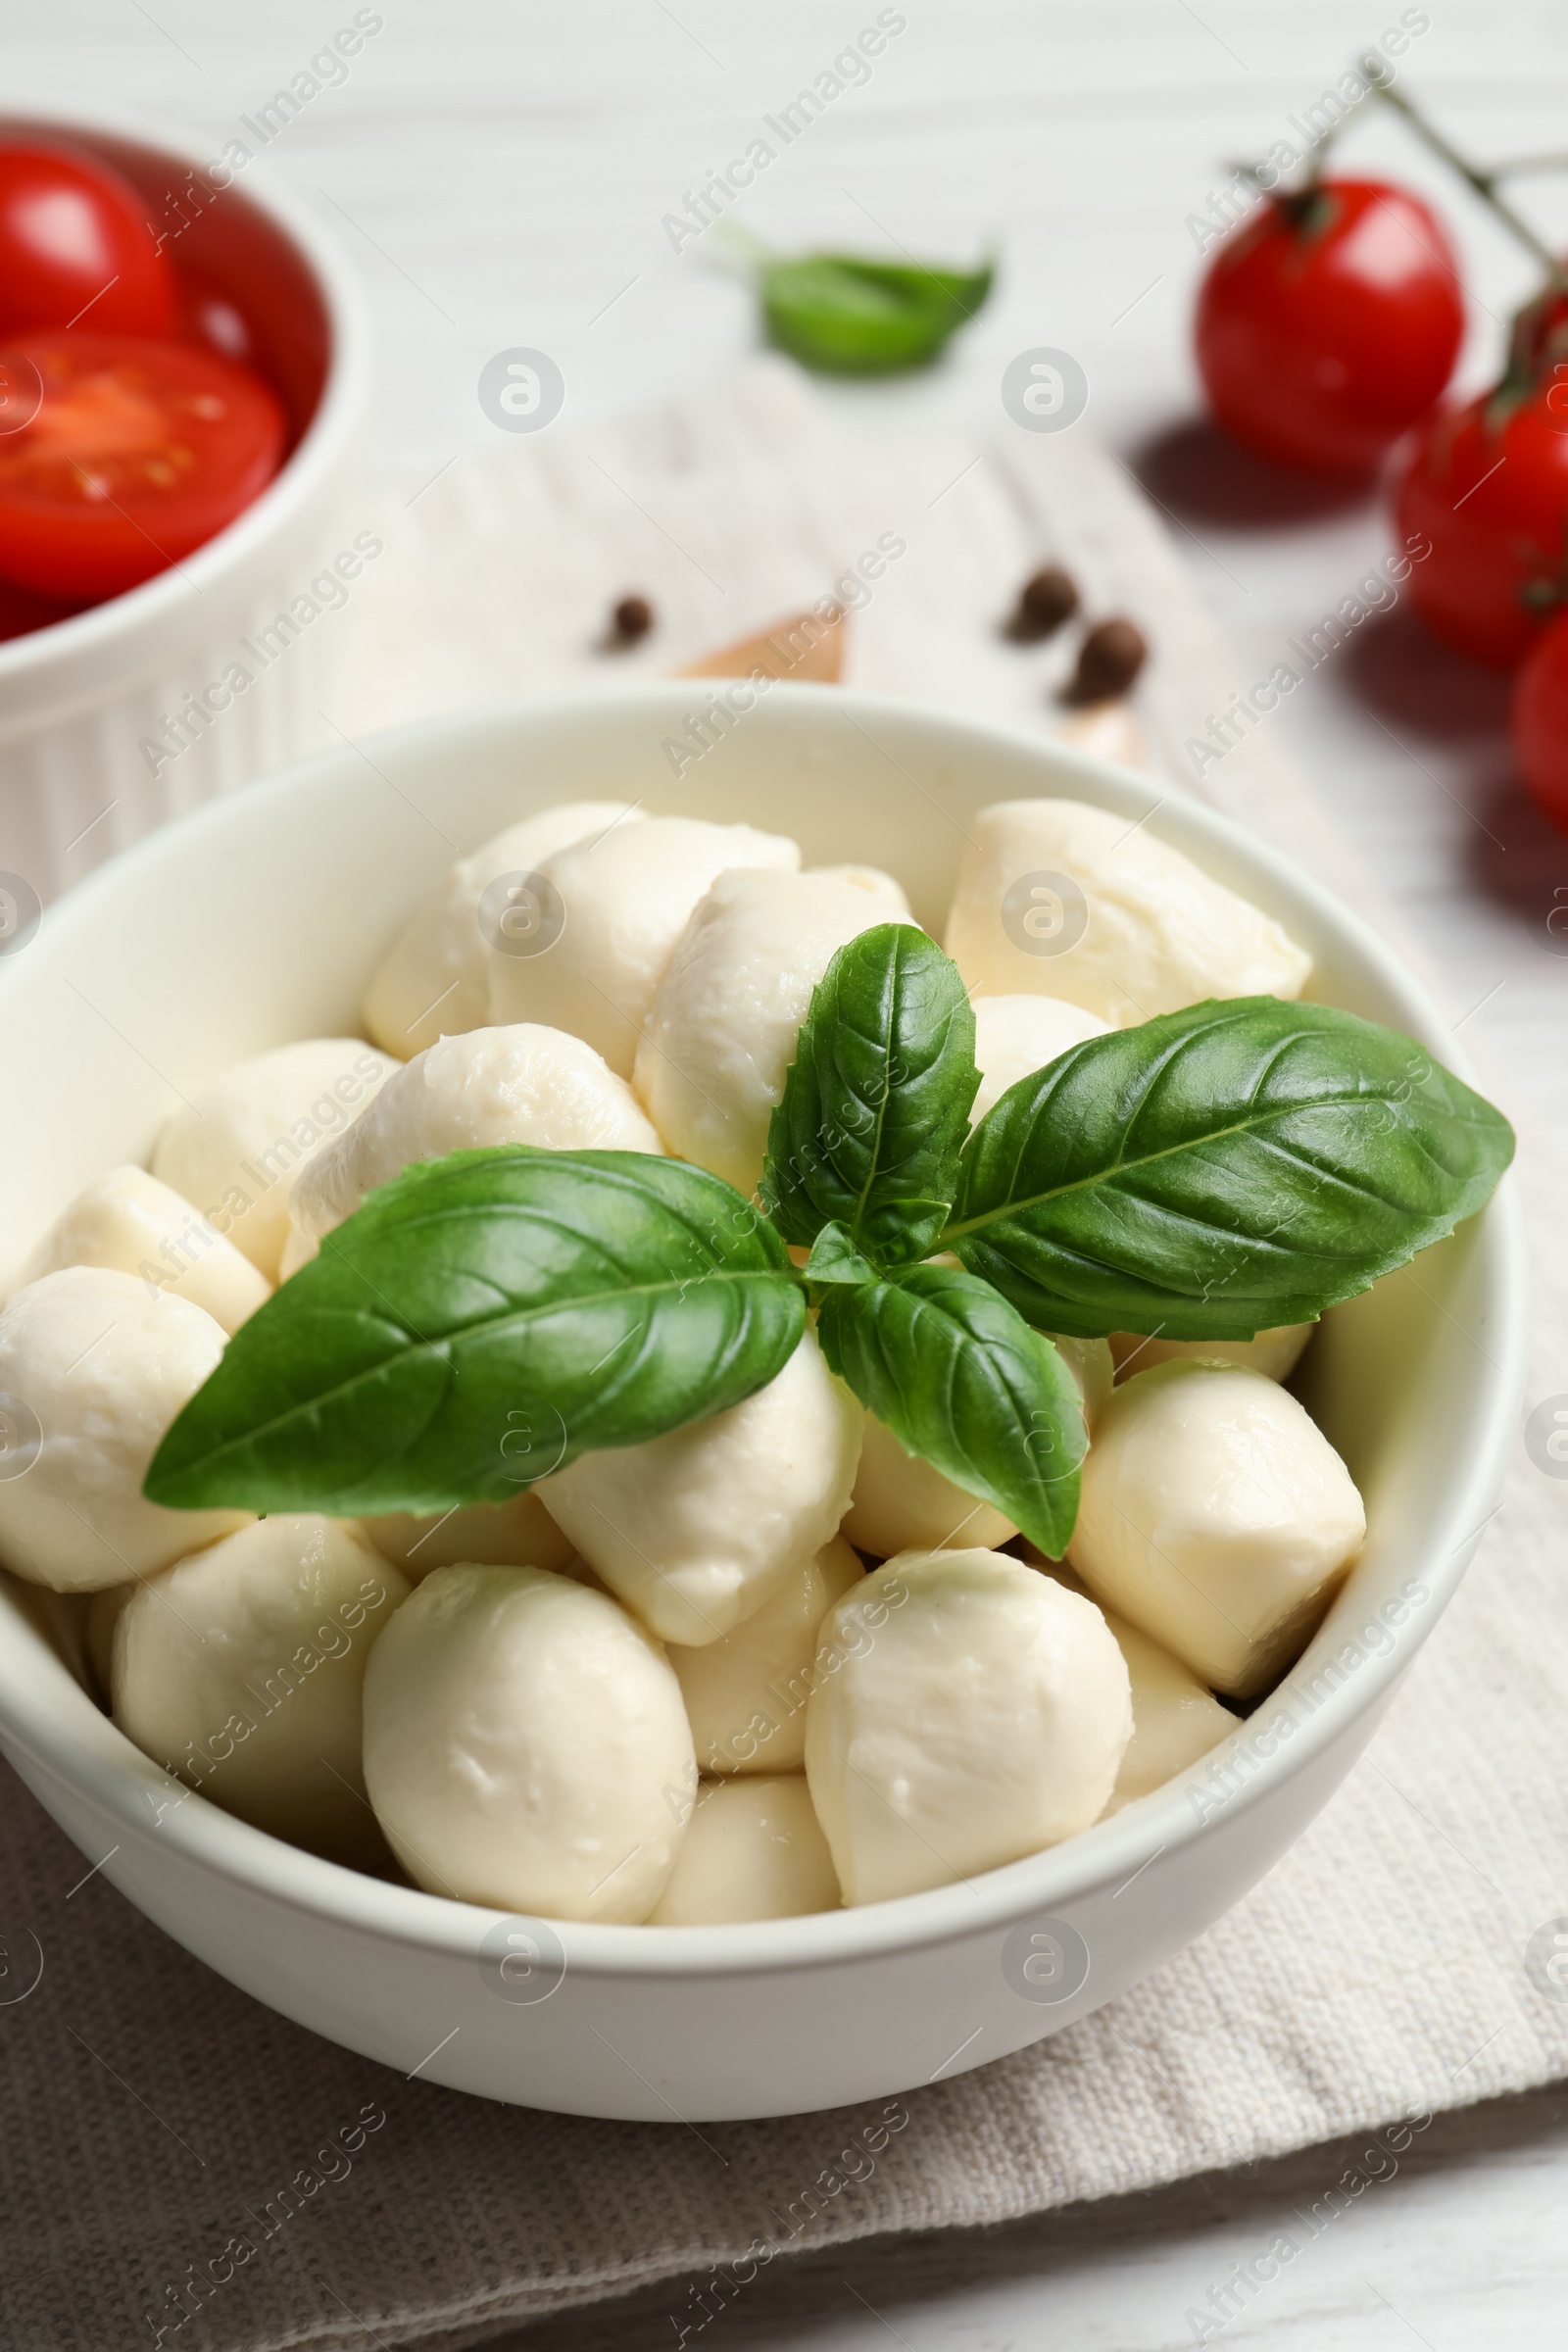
(500, 173)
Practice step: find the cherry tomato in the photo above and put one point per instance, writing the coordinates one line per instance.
(1539, 721)
(136, 454)
(1487, 484)
(74, 244)
(1327, 325)
(1540, 335)
(212, 319)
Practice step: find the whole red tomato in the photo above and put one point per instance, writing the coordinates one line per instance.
(1487, 484)
(1539, 720)
(74, 244)
(1327, 324)
(130, 455)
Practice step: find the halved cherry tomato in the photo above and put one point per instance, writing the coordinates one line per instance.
(139, 452)
(1327, 324)
(74, 244)
(1488, 485)
(1539, 721)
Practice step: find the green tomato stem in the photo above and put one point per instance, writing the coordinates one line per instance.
(1483, 183)
(1518, 167)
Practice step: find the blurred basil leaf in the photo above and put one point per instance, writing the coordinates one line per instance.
(849, 317)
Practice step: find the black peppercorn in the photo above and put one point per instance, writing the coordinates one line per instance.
(630, 620)
(1111, 654)
(1044, 602)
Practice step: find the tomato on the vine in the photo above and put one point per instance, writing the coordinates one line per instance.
(1327, 324)
(1487, 484)
(134, 455)
(1539, 720)
(74, 244)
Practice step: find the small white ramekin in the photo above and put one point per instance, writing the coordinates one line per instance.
(83, 704)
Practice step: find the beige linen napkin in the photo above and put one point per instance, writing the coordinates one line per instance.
(181, 2167)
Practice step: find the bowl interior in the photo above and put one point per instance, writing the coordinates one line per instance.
(259, 918)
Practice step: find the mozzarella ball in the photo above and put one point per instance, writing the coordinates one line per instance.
(99, 1366)
(903, 1503)
(519, 1533)
(1175, 1719)
(625, 899)
(235, 1151)
(525, 1747)
(580, 1573)
(693, 1530)
(1093, 1370)
(240, 1670)
(435, 980)
(745, 1693)
(128, 1220)
(979, 1712)
(1275, 1354)
(1015, 1036)
(725, 1024)
(1139, 930)
(891, 903)
(1217, 1517)
(492, 1086)
(752, 1849)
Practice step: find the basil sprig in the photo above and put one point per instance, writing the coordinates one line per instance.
(849, 317)
(483, 1319)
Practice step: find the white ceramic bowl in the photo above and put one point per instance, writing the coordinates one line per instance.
(78, 700)
(256, 921)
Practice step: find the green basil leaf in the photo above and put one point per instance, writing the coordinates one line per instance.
(833, 1259)
(480, 1321)
(876, 1104)
(962, 1380)
(849, 317)
(1220, 1170)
